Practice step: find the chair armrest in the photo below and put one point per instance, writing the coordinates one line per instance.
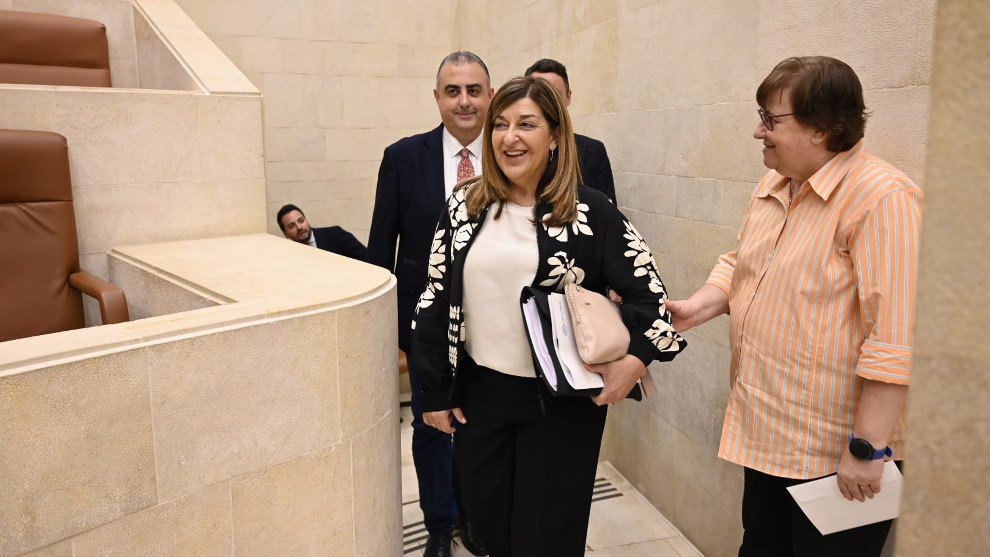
(113, 304)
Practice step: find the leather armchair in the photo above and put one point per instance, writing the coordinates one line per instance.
(41, 281)
(47, 49)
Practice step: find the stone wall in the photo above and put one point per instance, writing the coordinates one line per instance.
(947, 478)
(341, 81)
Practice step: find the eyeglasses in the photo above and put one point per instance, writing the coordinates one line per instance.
(767, 118)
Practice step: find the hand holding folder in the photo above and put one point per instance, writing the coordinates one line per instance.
(554, 346)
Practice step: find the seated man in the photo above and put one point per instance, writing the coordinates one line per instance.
(294, 226)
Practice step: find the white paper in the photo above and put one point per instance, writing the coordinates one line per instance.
(830, 512)
(563, 335)
(532, 317)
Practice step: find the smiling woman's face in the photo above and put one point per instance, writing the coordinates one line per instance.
(789, 148)
(522, 141)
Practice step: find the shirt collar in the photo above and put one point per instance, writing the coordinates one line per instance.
(452, 147)
(824, 181)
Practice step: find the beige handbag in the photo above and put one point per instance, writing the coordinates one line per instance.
(599, 331)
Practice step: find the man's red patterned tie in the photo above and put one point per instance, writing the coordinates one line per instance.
(465, 169)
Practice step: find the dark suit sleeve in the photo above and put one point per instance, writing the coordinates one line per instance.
(604, 180)
(596, 170)
(349, 245)
(385, 219)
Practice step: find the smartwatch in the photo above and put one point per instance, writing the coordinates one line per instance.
(863, 450)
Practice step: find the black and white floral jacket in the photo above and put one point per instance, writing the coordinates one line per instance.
(600, 249)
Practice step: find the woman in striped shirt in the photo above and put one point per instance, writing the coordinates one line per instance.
(820, 292)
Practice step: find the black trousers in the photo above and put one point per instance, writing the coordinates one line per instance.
(527, 463)
(774, 525)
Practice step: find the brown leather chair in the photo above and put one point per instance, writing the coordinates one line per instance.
(46, 49)
(40, 280)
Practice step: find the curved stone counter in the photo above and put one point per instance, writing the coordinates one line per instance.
(250, 408)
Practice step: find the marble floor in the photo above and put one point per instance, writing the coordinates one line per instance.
(623, 523)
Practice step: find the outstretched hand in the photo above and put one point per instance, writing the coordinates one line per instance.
(683, 314)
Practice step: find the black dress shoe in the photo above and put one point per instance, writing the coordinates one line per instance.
(438, 545)
(471, 540)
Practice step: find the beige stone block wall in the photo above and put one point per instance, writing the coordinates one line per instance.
(263, 424)
(669, 87)
(341, 81)
(946, 502)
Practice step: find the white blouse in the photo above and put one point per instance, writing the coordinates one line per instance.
(502, 260)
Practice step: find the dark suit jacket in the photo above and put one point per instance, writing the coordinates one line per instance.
(338, 240)
(595, 167)
(408, 202)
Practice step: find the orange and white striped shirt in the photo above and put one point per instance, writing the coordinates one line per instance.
(821, 295)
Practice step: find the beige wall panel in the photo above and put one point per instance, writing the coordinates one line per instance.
(296, 144)
(158, 67)
(290, 99)
(648, 192)
(897, 129)
(946, 501)
(95, 128)
(693, 391)
(61, 549)
(679, 54)
(63, 422)
(264, 54)
(711, 241)
(162, 133)
(197, 524)
(151, 294)
(368, 364)
(678, 475)
(273, 397)
(300, 507)
(887, 42)
(131, 214)
(289, 172)
(375, 469)
(390, 102)
(231, 147)
(27, 108)
(369, 144)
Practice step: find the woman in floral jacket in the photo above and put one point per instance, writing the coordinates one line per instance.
(527, 459)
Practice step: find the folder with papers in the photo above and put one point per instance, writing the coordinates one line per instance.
(554, 349)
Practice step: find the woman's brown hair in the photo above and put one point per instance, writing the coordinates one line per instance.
(559, 183)
(826, 95)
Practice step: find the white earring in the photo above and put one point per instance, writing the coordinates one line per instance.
(816, 140)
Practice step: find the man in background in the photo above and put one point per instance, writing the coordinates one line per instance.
(596, 171)
(416, 176)
(294, 226)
